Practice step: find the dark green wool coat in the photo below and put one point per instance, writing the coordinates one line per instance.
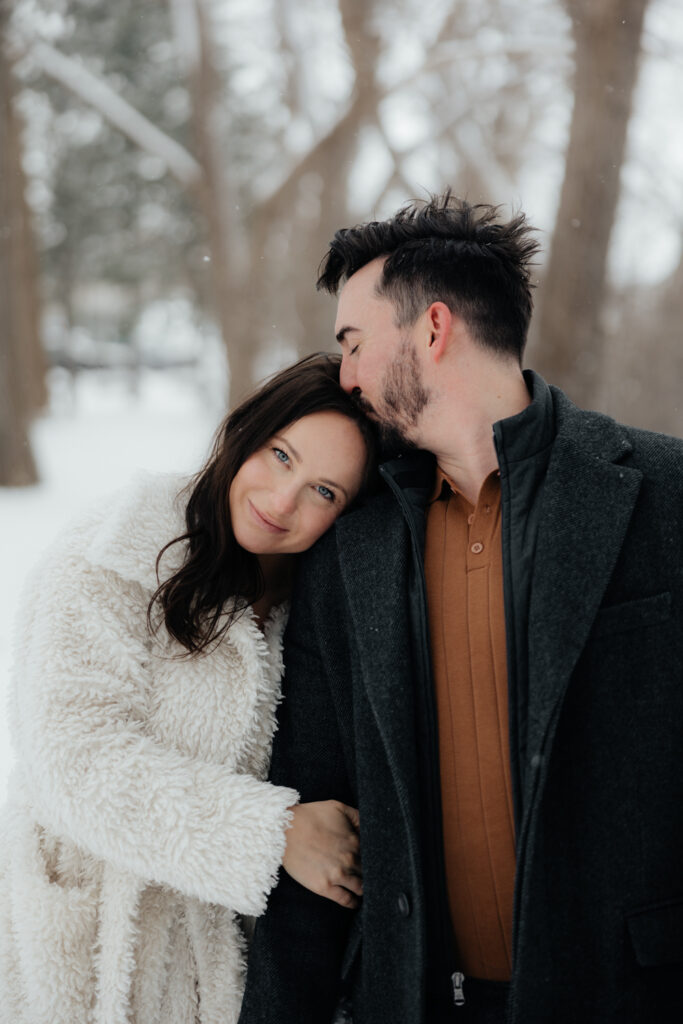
(598, 925)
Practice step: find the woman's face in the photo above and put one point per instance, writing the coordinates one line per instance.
(284, 496)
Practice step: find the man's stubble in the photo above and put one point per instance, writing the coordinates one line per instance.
(403, 398)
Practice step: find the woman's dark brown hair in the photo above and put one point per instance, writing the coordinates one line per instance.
(194, 602)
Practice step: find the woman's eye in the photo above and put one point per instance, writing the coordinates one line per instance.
(325, 492)
(352, 350)
(281, 455)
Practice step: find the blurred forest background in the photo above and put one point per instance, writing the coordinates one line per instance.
(171, 172)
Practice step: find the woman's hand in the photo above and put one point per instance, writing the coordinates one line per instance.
(323, 851)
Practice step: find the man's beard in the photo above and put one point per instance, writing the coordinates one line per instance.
(403, 398)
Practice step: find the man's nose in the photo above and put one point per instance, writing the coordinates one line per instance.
(347, 375)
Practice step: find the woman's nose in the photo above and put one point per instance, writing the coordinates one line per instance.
(284, 499)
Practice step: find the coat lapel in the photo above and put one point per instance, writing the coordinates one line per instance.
(374, 552)
(588, 501)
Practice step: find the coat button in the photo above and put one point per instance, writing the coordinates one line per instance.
(403, 905)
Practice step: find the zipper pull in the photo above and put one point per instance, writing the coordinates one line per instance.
(458, 980)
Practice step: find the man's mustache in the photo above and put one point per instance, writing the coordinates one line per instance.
(363, 404)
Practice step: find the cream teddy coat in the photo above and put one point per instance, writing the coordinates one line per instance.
(138, 826)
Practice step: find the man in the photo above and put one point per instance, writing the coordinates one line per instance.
(486, 658)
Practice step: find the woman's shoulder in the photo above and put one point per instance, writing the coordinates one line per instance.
(125, 531)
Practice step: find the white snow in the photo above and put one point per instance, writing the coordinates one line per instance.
(92, 442)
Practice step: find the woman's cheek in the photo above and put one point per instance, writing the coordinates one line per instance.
(324, 521)
(332, 515)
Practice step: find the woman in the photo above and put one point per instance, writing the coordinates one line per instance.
(148, 666)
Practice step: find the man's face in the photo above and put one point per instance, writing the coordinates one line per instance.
(380, 364)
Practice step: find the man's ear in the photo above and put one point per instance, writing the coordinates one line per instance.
(439, 324)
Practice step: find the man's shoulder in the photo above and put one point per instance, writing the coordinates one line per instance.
(647, 450)
(650, 451)
(663, 450)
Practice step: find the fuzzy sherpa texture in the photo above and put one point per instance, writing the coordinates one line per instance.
(139, 825)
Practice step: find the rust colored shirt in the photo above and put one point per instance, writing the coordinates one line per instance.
(464, 574)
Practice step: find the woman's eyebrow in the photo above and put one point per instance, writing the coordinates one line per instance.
(331, 483)
(281, 437)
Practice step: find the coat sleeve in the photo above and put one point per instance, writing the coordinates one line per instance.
(296, 955)
(93, 774)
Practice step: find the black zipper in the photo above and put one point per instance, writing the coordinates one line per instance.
(522, 814)
(512, 702)
(510, 643)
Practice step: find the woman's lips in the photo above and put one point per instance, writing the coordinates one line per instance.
(263, 522)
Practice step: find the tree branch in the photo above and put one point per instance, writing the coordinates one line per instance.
(117, 111)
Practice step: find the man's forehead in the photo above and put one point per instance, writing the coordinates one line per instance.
(365, 279)
(360, 289)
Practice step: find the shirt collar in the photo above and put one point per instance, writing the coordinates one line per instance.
(441, 482)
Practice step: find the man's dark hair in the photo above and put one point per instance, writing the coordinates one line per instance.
(446, 250)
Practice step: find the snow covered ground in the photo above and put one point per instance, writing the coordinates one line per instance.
(95, 438)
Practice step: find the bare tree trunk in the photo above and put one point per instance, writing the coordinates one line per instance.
(315, 311)
(571, 341)
(646, 353)
(323, 172)
(22, 379)
(213, 202)
(210, 188)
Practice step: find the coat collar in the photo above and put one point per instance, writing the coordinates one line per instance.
(587, 504)
(125, 537)
(530, 432)
(130, 530)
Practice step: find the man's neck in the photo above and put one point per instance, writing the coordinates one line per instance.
(460, 430)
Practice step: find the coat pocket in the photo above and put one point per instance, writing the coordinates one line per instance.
(656, 933)
(630, 615)
(53, 919)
